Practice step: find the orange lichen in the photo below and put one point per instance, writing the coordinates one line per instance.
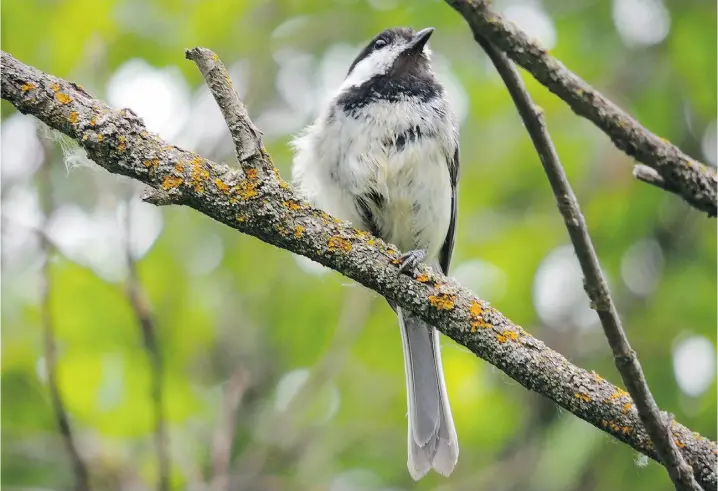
(298, 231)
(153, 163)
(28, 86)
(63, 98)
(251, 173)
(222, 186)
(55, 87)
(179, 167)
(479, 324)
(619, 393)
(100, 137)
(616, 428)
(583, 397)
(246, 190)
(337, 243)
(122, 146)
(291, 204)
(171, 182)
(627, 407)
(199, 174)
(423, 278)
(475, 310)
(74, 117)
(507, 336)
(679, 443)
(443, 301)
(477, 320)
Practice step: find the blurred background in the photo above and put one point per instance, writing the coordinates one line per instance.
(277, 374)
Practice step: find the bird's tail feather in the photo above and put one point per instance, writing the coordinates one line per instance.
(432, 436)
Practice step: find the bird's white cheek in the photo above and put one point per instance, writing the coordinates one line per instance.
(379, 62)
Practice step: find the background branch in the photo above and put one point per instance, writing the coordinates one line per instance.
(270, 211)
(595, 283)
(223, 437)
(285, 431)
(145, 321)
(695, 182)
(82, 480)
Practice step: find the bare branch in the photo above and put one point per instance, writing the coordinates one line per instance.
(693, 181)
(146, 323)
(82, 480)
(596, 286)
(270, 211)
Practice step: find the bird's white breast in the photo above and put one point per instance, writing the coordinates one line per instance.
(343, 156)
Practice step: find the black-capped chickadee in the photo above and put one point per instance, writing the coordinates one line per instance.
(384, 155)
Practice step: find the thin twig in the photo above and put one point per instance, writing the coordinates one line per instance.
(145, 320)
(224, 435)
(650, 176)
(82, 481)
(272, 212)
(695, 182)
(625, 358)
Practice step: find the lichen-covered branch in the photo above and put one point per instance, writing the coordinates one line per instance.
(596, 286)
(247, 138)
(268, 209)
(693, 181)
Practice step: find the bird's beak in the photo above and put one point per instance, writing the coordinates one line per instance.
(420, 39)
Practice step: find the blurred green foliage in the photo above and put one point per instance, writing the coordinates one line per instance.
(226, 303)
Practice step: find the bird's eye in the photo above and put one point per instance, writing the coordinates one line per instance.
(379, 43)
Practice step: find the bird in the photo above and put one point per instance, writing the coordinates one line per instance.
(383, 154)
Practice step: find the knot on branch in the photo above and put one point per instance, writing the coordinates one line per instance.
(598, 294)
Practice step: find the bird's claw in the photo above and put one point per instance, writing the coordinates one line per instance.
(409, 261)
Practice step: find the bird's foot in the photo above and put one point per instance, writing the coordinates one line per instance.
(409, 261)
